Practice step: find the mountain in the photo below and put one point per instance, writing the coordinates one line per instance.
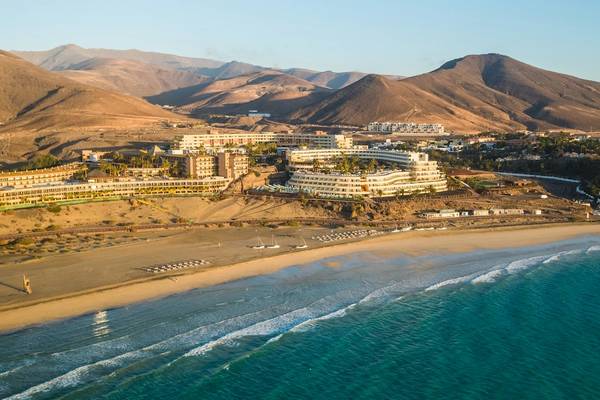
(472, 93)
(70, 57)
(332, 80)
(267, 91)
(34, 99)
(230, 70)
(130, 77)
(375, 97)
(63, 57)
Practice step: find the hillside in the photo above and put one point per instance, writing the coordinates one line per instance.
(473, 93)
(330, 79)
(130, 77)
(267, 91)
(377, 98)
(33, 99)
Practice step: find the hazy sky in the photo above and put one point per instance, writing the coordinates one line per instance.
(394, 37)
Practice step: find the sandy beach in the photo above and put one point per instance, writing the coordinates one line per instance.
(79, 283)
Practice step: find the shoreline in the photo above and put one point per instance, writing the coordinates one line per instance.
(18, 316)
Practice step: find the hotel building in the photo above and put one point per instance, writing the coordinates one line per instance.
(28, 197)
(232, 165)
(229, 165)
(407, 128)
(416, 174)
(28, 178)
(194, 143)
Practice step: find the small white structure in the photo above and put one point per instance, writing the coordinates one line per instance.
(480, 213)
(441, 214)
(507, 211)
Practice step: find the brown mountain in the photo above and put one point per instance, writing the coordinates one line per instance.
(473, 93)
(267, 91)
(34, 99)
(330, 79)
(70, 57)
(63, 57)
(130, 77)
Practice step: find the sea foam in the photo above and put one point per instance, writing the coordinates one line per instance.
(448, 282)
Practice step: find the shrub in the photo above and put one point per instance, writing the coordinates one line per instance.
(53, 208)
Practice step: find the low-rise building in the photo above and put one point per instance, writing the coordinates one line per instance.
(35, 196)
(34, 177)
(145, 172)
(507, 211)
(408, 128)
(441, 214)
(197, 142)
(480, 213)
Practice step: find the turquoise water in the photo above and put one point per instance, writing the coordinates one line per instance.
(509, 324)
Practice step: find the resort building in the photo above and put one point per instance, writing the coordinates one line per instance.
(232, 165)
(407, 128)
(379, 184)
(199, 166)
(303, 158)
(44, 176)
(194, 143)
(145, 173)
(414, 174)
(90, 191)
(227, 164)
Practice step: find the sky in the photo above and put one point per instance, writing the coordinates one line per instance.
(389, 37)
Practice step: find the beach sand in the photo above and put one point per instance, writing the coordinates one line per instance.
(76, 284)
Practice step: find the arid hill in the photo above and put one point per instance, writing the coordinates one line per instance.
(130, 77)
(63, 57)
(269, 91)
(377, 98)
(332, 80)
(34, 99)
(473, 93)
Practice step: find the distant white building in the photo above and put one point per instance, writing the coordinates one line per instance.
(192, 143)
(256, 113)
(407, 128)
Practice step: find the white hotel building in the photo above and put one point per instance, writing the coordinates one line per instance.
(193, 143)
(406, 128)
(416, 174)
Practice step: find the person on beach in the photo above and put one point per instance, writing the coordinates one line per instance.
(26, 284)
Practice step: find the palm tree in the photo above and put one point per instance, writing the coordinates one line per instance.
(372, 165)
(316, 165)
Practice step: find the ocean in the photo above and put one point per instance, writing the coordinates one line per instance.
(504, 324)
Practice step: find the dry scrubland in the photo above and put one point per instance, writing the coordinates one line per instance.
(266, 208)
(157, 211)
